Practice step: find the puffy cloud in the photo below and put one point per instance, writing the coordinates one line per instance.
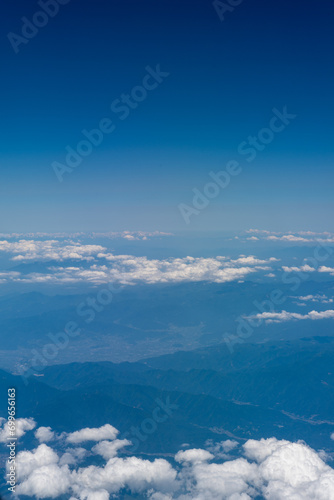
(44, 434)
(234, 479)
(48, 481)
(72, 456)
(194, 456)
(28, 461)
(133, 473)
(325, 269)
(22, 425)
(288, 237)
(24, 250)
(279, 317)
(295, 269)
(109, 449)
(221, 449)
(129, 269)
(95, 434)
(269, 468)
(291, 470)
(94, 495)
(252, 261)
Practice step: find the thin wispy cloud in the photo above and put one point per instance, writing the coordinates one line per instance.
(320, 298)
(292, 237)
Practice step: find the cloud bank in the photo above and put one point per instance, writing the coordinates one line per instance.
(279, 317)
(270, 468)
(291, 237)
(129, 269)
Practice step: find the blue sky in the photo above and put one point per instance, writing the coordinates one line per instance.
(224, 80)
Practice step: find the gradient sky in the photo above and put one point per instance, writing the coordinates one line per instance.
(225, 79)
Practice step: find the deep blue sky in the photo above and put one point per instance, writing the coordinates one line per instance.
(225, 78)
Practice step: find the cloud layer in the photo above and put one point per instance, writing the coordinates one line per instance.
(271, 468)
(128, 269)
(291, 237)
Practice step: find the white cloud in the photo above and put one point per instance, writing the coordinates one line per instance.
(220, 449)
(109, 449)
(291, 470)
(24, 250)
(287, 237)
(279, 317)
(325, 269)
(96, 434)
(22, 425)
(44, 434)
(293, 236)
(268, 468)
(28, 461)
(134, 473)
(72, 456)
(129, 235)
(48, 481)
(295, 269)
(194, 456)
(323, 299)
(129, 269)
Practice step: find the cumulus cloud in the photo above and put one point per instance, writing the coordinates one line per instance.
(129, 269)
(44, 434)
(194, 456)
(109, 449)
(308, 269)
(269, 468)
(221, 449)
(24, 250)
(291, 470)
(296, 269)
(279, 317)
(72, 456)
(22, 425)
(325, 269)
(95, 434)
(48, 481)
